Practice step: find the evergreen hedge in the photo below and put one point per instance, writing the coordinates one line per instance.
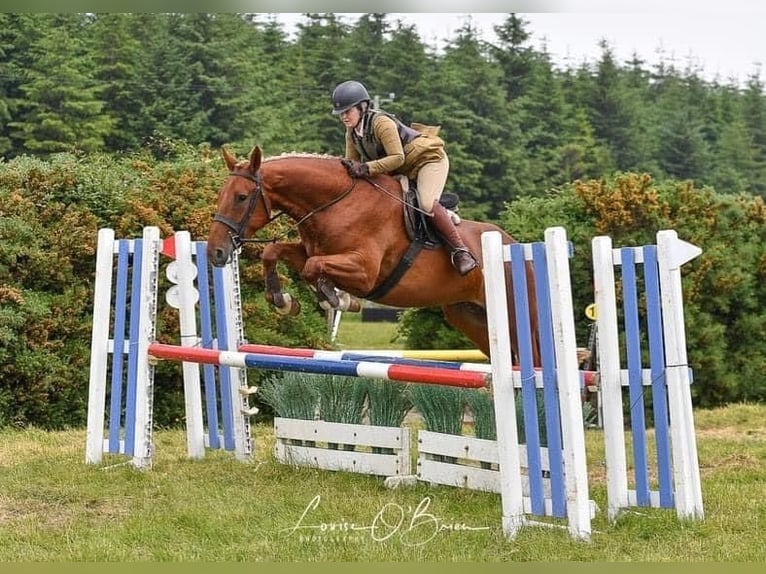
(724, 288)
(50, 213)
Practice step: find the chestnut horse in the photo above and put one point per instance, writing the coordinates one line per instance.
(352, 237)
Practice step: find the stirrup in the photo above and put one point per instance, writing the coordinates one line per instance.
(474, 262)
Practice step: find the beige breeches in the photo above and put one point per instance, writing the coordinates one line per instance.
(432, 178)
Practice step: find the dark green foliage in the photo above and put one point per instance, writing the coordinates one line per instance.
(427, 329)
(723, 288)
(62, 109)
(514, 124)
(45, 248)
(614, 112)
(50, 212)
(143, 101)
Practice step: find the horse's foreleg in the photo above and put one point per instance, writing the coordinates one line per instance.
(330, 297)
(295, 256)
(348, 270)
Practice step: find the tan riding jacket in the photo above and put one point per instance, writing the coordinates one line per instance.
(406, 160)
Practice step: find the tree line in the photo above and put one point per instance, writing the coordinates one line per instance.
(112, 121)
(515, 124)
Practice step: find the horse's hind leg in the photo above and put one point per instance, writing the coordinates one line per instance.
(471, 320)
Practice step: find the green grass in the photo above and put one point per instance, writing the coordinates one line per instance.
(53, 507)
(354, 334)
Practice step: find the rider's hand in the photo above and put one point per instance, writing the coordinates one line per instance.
(356, 169)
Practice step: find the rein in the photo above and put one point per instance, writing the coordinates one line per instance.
(237, 229)
(396, 198)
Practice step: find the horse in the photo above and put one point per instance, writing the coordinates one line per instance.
(353, 238)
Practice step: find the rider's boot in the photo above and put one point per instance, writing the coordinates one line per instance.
(462, 259)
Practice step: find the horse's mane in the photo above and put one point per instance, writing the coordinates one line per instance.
(298, 154)
(290, 155)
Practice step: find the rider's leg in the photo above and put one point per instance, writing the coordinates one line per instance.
(431, 180)
(462, 259)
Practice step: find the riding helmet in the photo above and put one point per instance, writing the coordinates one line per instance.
(347, 95)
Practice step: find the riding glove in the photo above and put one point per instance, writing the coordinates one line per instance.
(356, 169)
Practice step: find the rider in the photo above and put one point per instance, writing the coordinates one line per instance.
(389, 146)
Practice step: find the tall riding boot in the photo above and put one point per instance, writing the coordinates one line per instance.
(462, 259)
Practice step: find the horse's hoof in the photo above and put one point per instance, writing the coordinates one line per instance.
(327, 292)
(348, 303)
(277, 299)
(290, 306)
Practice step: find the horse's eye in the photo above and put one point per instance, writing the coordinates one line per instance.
(241, 197)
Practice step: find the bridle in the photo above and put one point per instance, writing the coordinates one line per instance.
(237, 229)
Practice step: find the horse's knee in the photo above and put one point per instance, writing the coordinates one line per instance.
(312, 271)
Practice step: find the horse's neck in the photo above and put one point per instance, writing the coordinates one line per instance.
(298, 191)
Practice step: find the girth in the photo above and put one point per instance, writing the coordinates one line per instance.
(422, 236)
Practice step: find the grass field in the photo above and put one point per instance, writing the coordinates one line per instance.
(55, 508)
(354, 334)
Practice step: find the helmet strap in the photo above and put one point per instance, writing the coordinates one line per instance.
(362, 107)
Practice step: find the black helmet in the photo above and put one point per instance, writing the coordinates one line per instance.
(347, 95)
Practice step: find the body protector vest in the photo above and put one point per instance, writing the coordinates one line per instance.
(370, 148)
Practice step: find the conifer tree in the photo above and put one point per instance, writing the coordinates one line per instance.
(118, 59)
(754, 114)
(63, 108)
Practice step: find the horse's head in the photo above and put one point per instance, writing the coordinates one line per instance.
(242, 208)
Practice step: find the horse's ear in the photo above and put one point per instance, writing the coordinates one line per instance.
(229, 158)
(255, 160)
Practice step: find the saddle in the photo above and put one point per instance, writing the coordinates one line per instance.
(418, 224)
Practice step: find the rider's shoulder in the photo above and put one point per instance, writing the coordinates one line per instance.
(381, 119)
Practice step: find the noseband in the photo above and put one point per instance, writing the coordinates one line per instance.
(237, 229)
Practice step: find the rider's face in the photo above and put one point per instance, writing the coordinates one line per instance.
(350, 117)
